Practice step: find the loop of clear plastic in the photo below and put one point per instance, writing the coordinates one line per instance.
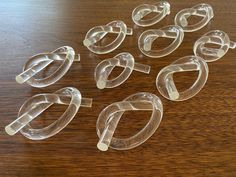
(109, 118)
(37, 63)
(37, 104)
(161, 9)
(216, 37)
(97, 33)
(125, 60)
(202, 10)
(165, 82)
(147, 38)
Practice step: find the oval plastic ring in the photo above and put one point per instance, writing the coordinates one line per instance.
(165, 83)
(110, 116)
(37, 104)
(162, 9)
(65, 55)
(97, 33)
(147, 38)
(202, 10)
(216, 37)
(125, 60)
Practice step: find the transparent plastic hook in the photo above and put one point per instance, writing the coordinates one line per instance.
(165, 82)
(65, 55)
(37, 104)
(125, 60)
(109, 118)
(162, 9)
(147, 38)
(216, 37)
(97, 33)
(202, 10)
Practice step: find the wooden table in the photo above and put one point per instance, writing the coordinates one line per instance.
(196, 137)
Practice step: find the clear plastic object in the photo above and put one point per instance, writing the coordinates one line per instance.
(147, 38)
(37, 63)
(37, 104)
(109, 118)
(216, 37)
(162, 9)
(97, 33)
(202, 10)
(165, 82)
(125, 60)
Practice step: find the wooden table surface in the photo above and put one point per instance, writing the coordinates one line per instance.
(196, 137)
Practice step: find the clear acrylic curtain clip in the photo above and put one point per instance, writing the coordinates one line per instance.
(37, 63)
(110, 116)
(37, 104)
(162, 9)
(124, 60)
(97, 33)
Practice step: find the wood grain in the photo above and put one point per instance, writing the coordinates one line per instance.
(196, 137)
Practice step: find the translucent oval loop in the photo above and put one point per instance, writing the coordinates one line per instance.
(165, 82)
(37, 63)
(147, 38)
(110, 116)
(37, 104)
(124, 60)
(162, 9)
(214, 37)
(97, 33)
(201, 10)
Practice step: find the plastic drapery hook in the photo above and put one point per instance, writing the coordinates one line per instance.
(65, 55)
(162, 9)
(97, 33)
(165, 82)
(37, 104)
(125, 60)
(147, 38)
(217, 37)
(109, 118)
(202, 10)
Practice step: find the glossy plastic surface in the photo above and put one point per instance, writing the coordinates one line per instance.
(65, 55)
(147, 38)
(202, 10)
(37, 104)
(215, 37)
(165, 82)
(109, 118)
(125, 60)
(97, 33)
(162, 9)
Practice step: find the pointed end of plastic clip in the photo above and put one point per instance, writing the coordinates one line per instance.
(101, 84)
(102, 146)
(77, 57)
(86, 42)
(19, 79)
(174, 95)
(9, 131)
